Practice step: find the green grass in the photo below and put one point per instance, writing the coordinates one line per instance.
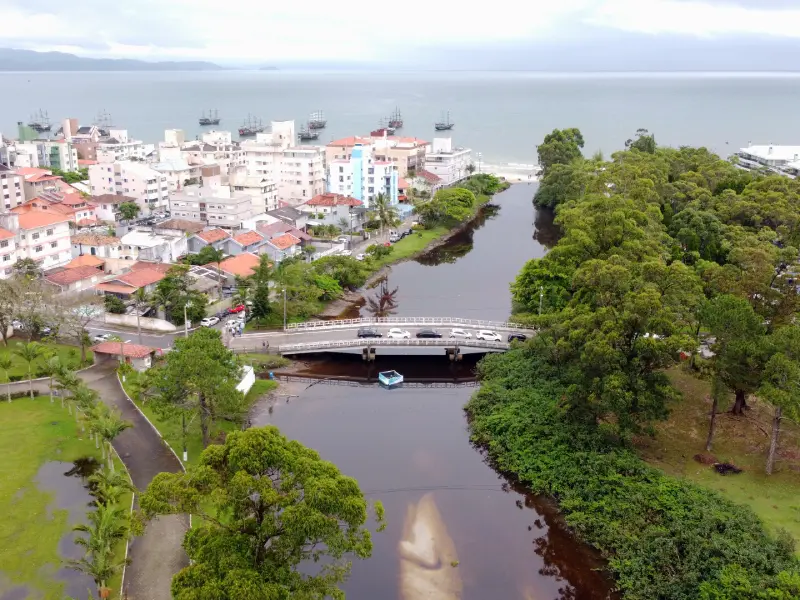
(409, 246)
(34, 432)
(742, 441)
(171, 428)
(69, 355)
(264, 361)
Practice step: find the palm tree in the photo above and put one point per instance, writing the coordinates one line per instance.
(66, 380)
(5, 364)
(100, 567)
(52, 367)
(109, 426)
(216, 255)
(108, 486)
(107, 526)
(140, 300)
(385, 212)
(30, 353)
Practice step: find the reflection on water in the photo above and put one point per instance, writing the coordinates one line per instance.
(461, 243)
(383, 302)
(545, 231)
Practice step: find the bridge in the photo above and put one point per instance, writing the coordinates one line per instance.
(327, 336)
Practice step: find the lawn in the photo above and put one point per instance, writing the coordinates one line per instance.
(264, 361)
(171, 428)
(69, 355)
(742, 441)
(32, 433)
(409, 246)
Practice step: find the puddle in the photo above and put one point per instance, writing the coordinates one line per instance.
(67, 482)
(9, 591)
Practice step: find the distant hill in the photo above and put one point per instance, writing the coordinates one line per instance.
(28, 60)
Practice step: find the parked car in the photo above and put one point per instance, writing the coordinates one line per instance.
(394, 237)
(209, 321)
(428, 333)
(19, 325)
(369, 332)
(45, 330)
(103, 337)
(342, 239)
(237, 309)
(519, 337)
(396, 333)
(361, 256)
(457, 332)
(221, 314)
(488, 336)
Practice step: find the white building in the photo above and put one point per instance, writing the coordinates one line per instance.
(95, 244)
(39, 235)
(362, 177)
(178, 172)
(11, 189)
(149, 187)
(774, 158)
(297, 171)
(446, 162)
(145, 244)
(118, 146)
(61, 155)
(262, 191)
(213, 203)
(222, 152)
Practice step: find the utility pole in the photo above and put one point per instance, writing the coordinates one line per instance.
(186, 321)
(284, 309)
(541, 296)
(183, 426)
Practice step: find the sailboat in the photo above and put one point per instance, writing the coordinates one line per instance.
(251, 126)
(306, 133)
(396, 120)
(444, 124)
(211, 119)
(40, 122)
(317, 120)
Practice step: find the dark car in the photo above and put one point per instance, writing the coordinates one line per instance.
(369, 332)
(519, 337)
(428, 333)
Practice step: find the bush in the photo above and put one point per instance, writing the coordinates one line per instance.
(14, 378)
(114, 305)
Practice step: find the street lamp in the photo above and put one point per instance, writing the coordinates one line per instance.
(541, 297)
(284, 309)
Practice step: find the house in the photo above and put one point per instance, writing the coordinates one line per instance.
(106, 206)
(85, 260)
(95, 244)
(35, 180)
(334, 209)
(138, 356)
(74, 279)
(427, 182)
(40, 235)
(449, 163)
(291, 215)
(282, 246)
(402, 189)
(279, 228)
(188, 227)
(248, 241)
(146, 244)
(216, 238)
(241, 265)
(124, 286)
(71, 205)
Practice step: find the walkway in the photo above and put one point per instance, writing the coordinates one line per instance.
(157, 555)
(301, 348)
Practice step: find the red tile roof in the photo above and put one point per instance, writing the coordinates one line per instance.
(212, 235)
(140, 265)
(428, 176)
(275, 229)
(248, 238)
(68, 276)
(117, 288)
(351, 141)
(40, 218)
(243, 264)
(282, 242)
(402, 184)
(85, 260)
(141, 277)
(35, 175)
(5, 234)
(131, 350)
(333, 200)
(85, 162)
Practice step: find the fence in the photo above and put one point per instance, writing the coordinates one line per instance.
(410, 322)
(371, 342)
(370, 382)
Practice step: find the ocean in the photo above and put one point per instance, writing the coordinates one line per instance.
(502, 115)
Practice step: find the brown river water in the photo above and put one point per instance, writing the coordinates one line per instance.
(456, 528)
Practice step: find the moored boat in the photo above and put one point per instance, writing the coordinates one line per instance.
(390, 378)
(317, 120)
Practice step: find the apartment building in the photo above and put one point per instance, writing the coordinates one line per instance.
(363, 177)
(147, 244)
(40, 235)
(71, 205)
(147, 186)
(119, 146)
(262, 191)
(11, 189)
(449, 163)
(36, 180)
(178, 172)
(106, 206)
(404, 153)
(213, 202)
(62, 155)
(214, 147)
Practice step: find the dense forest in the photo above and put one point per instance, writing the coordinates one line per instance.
(663, 250)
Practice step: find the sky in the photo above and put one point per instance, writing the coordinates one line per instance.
(413, 32)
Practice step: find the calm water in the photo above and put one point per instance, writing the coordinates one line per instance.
(410, 447)
(503, 115)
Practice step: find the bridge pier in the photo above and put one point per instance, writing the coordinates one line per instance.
(368, 354)
(454, 354)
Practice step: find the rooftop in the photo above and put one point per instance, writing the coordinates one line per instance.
(333, 200)
(248, 238)
(39, 218)
(36, 175)
(243, 264)
(274, 229)
(282, 242)
(94, 239)
(127, 349)
(141, 277)
(286, 213)
(5, 234)
(770, 152)
(145, 239)
(84, 260)
(428, 176)
(111, 199)
(68, 276)
(181, 224)
(213, 235)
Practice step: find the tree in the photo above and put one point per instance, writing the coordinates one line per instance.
(113, 304)
(562, 146)
(108, 486)
(51, 368)
(449, 207)
(107, 526)
(385, 212)
(76, 316)
(9, 304)
(29, 353)
(128, 210)
(781, 382)
(109, 424)
(283, 506)
(26, 268)
(344, 224)
(470, 168)
(644, 142)
(348, 272)
(174, 293)
(5, 364)
(141, 300)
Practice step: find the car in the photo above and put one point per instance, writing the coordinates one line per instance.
(342, 239)
(387, 244)
(457, 332)
(209, 321)
(45, 330)
(395, 333)
(519, 337)
(18, 325)
(394, 237)
(237, 309)
(103, 337)
(369, 332)
(488, 336)
(428, 333)
(361, 256)
(221, 314)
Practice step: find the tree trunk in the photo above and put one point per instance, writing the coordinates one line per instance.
(30, 381)
(83, 348)
(204, 422)
(773, 443)
(740, 404)
(138, 323)
(712, 425)
(110, 458)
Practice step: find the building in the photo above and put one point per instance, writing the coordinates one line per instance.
(262, 191)
(427, 182)
(248, 241)
(137, 356)
(61, 155)
(147, 186)
(334, 209)
(290, 215)
(13, 193)
(36, 180)
(213, 148)
(106, 206)
(242, 265)
(8, 252)
(118, 146)
(40, 235)
(178, 172)
(69, 204)
(85, 260)
(772, 158)
(213, 202)
(273, 230)
(95, 244)
(76, 279)
(188, 227)
(282, 247)
(297, 171)
(124, 286)
(450, 164)
(146, 244)
(404, 153)
(216, 238)
(362, 177)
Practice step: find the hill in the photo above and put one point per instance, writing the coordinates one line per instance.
(28, 60)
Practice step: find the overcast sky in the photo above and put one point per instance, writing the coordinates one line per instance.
(411, 32)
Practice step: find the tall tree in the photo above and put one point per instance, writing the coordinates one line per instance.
(562, 146)
(384, 211)
(5, 365)
(29, 353)
(109, 425)
(141, 300)
(128, 210)
(267, 506)
(27, 268)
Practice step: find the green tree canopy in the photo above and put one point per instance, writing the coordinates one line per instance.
(129, 210)
(562, 146)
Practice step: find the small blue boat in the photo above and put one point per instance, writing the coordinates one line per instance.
(390, 378)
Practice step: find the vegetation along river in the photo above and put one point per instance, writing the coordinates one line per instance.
(410, 447)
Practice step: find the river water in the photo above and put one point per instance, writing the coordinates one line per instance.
(410, 449)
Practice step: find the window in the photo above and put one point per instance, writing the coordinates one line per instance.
(341, 178)
(35, 236)
(341, 169)
(53, 244)
(372, 189)
(371, 170)
(49, 232)
(37, 249)
(6, 257)
(4, 244)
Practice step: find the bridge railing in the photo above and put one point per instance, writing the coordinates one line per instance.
(364, 343)
(407, 321)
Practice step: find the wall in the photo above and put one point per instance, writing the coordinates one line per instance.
(148, 323)
(248, 379)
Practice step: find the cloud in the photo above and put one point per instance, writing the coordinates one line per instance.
(362, 30)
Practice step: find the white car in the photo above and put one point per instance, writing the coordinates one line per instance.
(209, 321)
(488, 336)
(395, 333)
(460, 333)
(103, 337)
(342, 239)
(361, 256)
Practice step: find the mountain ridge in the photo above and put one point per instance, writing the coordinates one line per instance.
(12, 59)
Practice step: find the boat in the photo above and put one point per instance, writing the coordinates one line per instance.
(317, 120)
(40, 122)
(384, 128)
(444, 124)
(396, 120)
(211, 119)
(390, 378)
(251, 126)
(306, 134)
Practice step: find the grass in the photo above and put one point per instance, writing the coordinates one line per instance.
(742, 441)
(409, 246)
(32, 433)
(264, 361)
(69, 355)
(171, 428)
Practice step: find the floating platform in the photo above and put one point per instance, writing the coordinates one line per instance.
(390, 378)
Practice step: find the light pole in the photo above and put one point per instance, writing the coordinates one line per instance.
(284, 309)
(541, 297)
(185, 321)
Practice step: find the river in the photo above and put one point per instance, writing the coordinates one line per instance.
(410, 448)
